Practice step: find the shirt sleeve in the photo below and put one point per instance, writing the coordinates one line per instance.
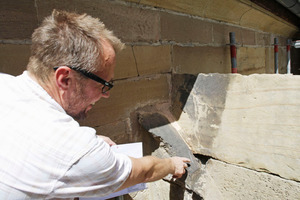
(98, 173)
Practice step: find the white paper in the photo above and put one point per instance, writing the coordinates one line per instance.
(133, 150)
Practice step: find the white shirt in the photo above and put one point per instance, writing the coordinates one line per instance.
(45, 153)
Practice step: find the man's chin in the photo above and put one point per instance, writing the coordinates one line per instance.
(80, 116)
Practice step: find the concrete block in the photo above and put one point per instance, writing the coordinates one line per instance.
(125, 64)
(14, 58)
(152, 59)
(251, 60)
(126, 96)
(18, 19)
(185, 29)
(194, 60)
(251, 121)
(226, 181)
(128, 23)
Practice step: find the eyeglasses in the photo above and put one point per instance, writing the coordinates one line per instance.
(106, 85)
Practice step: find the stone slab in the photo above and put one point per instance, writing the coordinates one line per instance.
(152, 59)
(125, 64)
(252, 121)
(223, 181)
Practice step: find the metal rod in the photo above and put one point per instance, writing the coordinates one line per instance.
(276, 55)
(233, 52)
(288, 52)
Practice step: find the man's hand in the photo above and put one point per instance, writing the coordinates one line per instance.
(180, 164)
(107, 140)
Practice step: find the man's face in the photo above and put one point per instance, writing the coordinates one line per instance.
(88, 92)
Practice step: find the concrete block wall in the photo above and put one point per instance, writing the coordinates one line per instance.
(162, 37)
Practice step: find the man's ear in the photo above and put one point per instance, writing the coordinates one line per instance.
(62, 77)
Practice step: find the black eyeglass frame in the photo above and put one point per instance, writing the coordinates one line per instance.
(107, 85)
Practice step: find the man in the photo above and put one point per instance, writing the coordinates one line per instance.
(44, 152)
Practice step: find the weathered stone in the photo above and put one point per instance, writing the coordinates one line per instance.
(190, 7)
(165, 189)
(281, 40)
(152, 59)
(14, 58)
(155, 190)
(244, 13)
(185, 29)
(160, 126)
(221, 33)
(252, 121)
(17, 19)
(282, 60)
(182, 85)
(126, 96)
(231, 11)
(223, 181)
(269, 52)
(125, 64)
(263, 39)
(251, 60)
(254, 18)
(121, 131)
(128, 23)
(248, 37)
(211, 59)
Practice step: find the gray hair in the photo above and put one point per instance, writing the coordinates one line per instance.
(66, 38)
